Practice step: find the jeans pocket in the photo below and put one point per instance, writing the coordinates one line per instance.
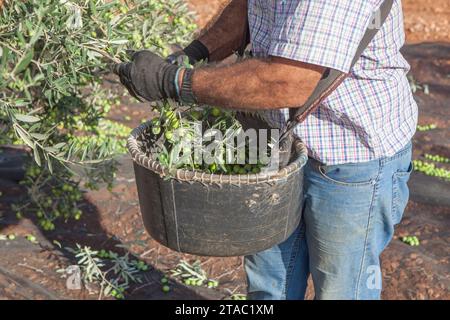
(400, 193)
(347, 175)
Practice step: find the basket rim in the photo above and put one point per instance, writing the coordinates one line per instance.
(191, 176)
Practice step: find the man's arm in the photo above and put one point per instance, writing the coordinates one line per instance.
(226, 33)
(257, 84)
(251, 84)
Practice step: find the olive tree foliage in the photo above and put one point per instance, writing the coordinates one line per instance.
(53, 57)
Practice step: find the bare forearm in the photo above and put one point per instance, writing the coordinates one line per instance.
(226, 34)
(256, 84)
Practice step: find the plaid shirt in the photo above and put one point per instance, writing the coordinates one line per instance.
(369, 116)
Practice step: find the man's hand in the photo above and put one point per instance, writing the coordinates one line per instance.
(148, 76)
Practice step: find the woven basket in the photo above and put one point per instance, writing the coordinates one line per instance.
(216, 214)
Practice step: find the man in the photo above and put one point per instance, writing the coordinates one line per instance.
(358, 139)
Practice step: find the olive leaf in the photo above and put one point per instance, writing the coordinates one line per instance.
(5, 56)
(24, 136)
(39, 136)
(37, 157)
(26, 118)
(23, 62)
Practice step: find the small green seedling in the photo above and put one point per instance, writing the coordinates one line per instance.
(164, 280)
(411, 240)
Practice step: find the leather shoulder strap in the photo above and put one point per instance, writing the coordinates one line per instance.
(332, 78)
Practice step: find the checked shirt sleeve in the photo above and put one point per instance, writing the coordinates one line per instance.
(320, 32)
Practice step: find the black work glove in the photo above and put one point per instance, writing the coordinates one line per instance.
(148, 76)
(195, 52)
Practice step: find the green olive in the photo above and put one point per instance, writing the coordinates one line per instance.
(168, 135)
(156, 130)
(256, 170)
(169, 114)
(175, 123)
(31, 238)
(165, 289)
(199, 283)
(213, 167)
(215, 112)
(196, 115)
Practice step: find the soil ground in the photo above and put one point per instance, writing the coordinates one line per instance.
(29, 271)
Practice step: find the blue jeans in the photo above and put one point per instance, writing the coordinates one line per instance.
(349, 215)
